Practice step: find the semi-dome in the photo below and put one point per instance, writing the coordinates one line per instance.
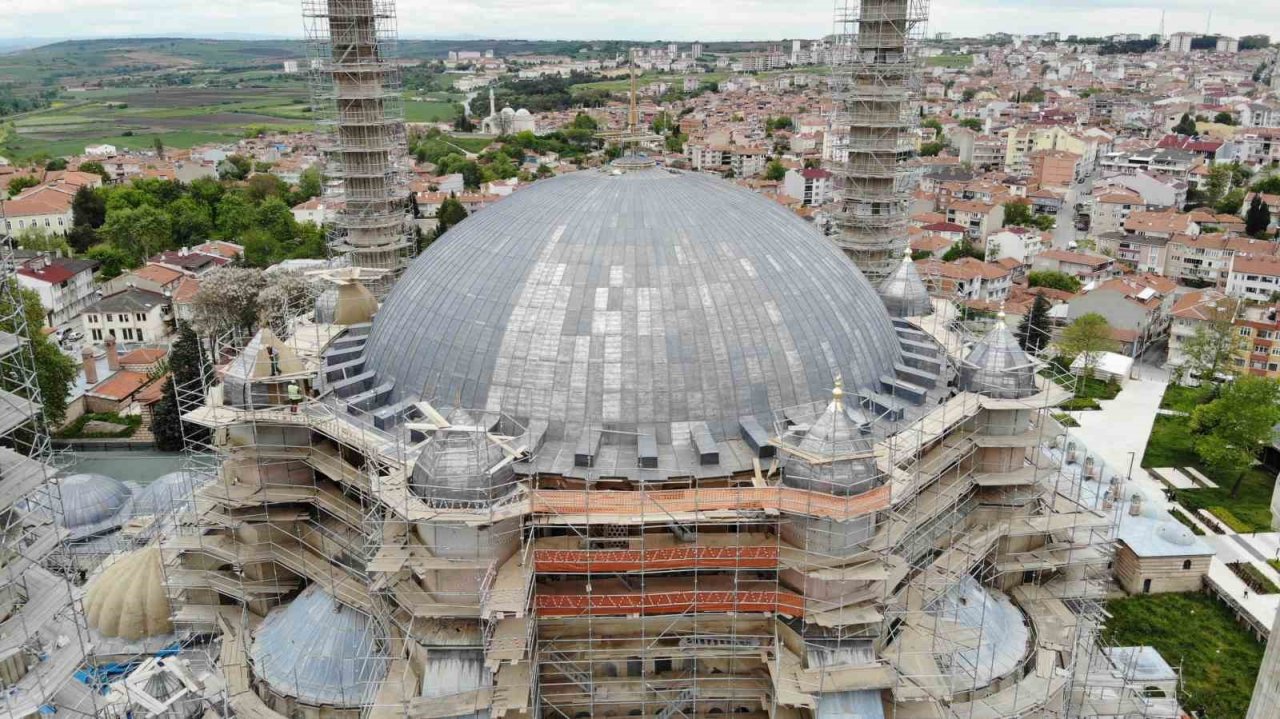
(88, 504)
(644, 301)
(127, 600)
(320, 652)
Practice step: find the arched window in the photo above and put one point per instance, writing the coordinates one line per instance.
(1186, 564)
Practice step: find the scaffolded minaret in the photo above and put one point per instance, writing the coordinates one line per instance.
(873, 130)
(356, 93)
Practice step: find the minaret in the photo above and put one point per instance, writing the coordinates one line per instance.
(874, 143)
(356, 93)
(493, 104)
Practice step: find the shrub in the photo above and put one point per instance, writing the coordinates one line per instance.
(1254, 578)
(75, 430)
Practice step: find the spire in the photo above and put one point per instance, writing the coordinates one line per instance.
(837, 393)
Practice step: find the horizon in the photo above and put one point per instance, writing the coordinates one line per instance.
(600, 20)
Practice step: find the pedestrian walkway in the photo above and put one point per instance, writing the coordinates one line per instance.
(1118, 432)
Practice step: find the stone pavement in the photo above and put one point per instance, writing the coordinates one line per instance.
(1118, 432)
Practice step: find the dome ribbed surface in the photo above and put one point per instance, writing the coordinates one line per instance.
(637, 300)
(904, 292)
(128, 600)
(998, 367)
(320, 651)
(88, 504)
(169, 493)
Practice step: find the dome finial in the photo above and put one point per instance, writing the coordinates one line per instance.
(837, 392)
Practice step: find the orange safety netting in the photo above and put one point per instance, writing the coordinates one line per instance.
(569, 560)
(672, 501)
(577, 605)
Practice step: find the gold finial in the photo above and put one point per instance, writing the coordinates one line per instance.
(837, 393)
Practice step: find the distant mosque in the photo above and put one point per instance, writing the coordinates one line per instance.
(508, 121)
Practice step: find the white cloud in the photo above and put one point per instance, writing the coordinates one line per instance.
(624, 19)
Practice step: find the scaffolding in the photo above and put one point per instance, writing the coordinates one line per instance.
(358, 102)
(874, 76)
(42, 633)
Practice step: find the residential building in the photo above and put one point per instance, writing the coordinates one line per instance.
(132, 315)
(1109, 211)
(1019, 243)
(1138, 308)
(1142, 252)
(1084, 265)
(1054, 168)
(1254, 277)
(812, 186)
(189, 262)
(978, 150)
(317, 210)
(65, 286)
(1258, 327)
(1176, 163)
(967, 279)
(45, 208)
(1192, 311)
(978, 218)
(1207, 257)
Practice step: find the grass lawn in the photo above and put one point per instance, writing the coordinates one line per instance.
(470, 143)
(430, 111)
(16, 146)
(952, 61)
(1182, 399)
(75, 430)
(1173, 445)
(1219, 660)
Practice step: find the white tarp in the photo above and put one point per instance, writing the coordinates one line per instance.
(1105, 365)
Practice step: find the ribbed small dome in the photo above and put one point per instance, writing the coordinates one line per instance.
(320, 652)
(88, 504)
(903, 292)
(998, 367)
(128, 600)
(837, 438)
(347, 304)
(462, 464)
(169, 493)
(164, 686)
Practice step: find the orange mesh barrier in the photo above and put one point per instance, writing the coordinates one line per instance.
(569, 560)
(673, 501)
(579, 605)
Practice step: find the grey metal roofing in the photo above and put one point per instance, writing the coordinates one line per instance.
(1002, 634)
(838, 437)
(998, 367)
(862, 704)
(172, 492)
(88, 504)
(634, 301)
(448, 673)
(1154, 533)
(130, 300)
(904, 293)
(1141, 664)
(320, 652)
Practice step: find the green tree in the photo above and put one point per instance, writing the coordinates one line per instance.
(264, 185)
(1234, 427)
(310, 184)
(54, 370)
(1087, 338)
(1018, 214)
(583, 121)
(1231, 202)
(275, 217)
(141, 232)
(158, 144)
(1209, 349)
(963, 248)
(82, 237)
(188, 371)
(932, 149)
(972, 123)
(1034, 332)
(1268, 186)
(1224, 118)
(1258, 218)
(191, 221)
(57, 164)
(775, 172)
(1186, 125)
(88, 207)
(1217, 184)
(1054, 280)
(235, 215)
(451, 212)
(112, 261)
(96, 168)
(38, 239)
(20, 183)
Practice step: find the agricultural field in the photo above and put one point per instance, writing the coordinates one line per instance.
(432, 109)
(956, 62)
(133, 118)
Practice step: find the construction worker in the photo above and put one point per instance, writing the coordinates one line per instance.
(295, 397)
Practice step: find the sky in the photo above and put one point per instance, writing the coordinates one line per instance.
(680, 20)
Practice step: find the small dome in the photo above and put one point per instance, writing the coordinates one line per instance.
(320, 652)
(522, 113)
(327, 305)
(164, 686)
(462, 464)
(89, 504)
(169, 493)
(347, 304)
(997, 366)
(245, 381)
(835, 436)
(904, 293)
(128, 600)
(1177, 534)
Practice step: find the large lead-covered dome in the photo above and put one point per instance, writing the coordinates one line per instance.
(631, 300)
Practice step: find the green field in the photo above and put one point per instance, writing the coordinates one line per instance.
(956, 62)
(1219, 659)
(431, 111)
(179, 116)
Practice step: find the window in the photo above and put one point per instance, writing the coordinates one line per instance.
(1186, 564)
(140, 336)
(61, 222)
(128, 333)
(93, 319)
(140, 317)
(108, 318)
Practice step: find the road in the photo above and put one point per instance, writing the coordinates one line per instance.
(1065, 233)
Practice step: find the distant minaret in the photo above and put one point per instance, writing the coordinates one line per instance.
(874, 77)
(357, 98)
(1162, 25)
(493, 105)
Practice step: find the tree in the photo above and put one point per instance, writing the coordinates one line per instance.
(1054, 280)
(1269, 186)
(38, 239)
(20, 183)
(57, 164)
(89, 208)
(1088, 337)
(932, 149)
(963, 248)
(583, 121)
(1209, 349)
(158, 144)
(971, 123)
(1033, 334)
(96, 168)
(54, 370)
(141, 232)
(264, 185)
(1215, 187)
(191, 222)
(82, 237)
(287, 296)
(227, 301)
(1224, 118)
(112, 261)
(451, 212)
(1231, 202)
(187, 370)
(1234, 427)
(1258, 218)
(1018, 214)
(1186, 125)
(775, 172)
(310, 184)
(235, 215)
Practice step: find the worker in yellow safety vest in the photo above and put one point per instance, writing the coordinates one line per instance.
(295, 397)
